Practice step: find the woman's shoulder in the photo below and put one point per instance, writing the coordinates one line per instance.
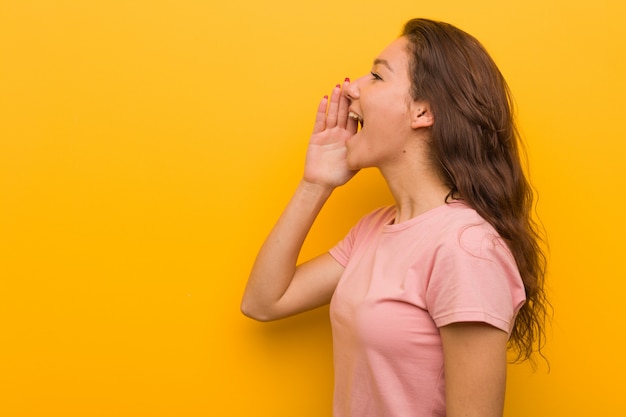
(459, 215)
(465, 229)
(373, 222)
(379, 217)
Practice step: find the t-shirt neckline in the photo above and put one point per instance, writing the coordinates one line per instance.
(391, 227)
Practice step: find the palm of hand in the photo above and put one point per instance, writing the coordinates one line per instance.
(326, 162)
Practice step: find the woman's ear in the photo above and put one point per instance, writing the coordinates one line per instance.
(421, 115)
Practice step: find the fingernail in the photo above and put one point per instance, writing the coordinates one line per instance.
(338, 86)
(326, 97)
(347, 79)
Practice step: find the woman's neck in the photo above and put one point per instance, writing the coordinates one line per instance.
(416, 189)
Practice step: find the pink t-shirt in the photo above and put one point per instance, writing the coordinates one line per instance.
(401, 283)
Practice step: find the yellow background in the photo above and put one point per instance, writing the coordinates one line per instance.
(146, 148)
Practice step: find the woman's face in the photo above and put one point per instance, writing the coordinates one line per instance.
(382, 103)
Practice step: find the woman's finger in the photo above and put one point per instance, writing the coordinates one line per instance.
(344, 104)
(352, 125)
(333, 107)
(320, 116)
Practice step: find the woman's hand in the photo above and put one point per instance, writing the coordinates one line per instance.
(326, 156)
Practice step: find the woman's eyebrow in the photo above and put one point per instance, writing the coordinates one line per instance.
(383, 62)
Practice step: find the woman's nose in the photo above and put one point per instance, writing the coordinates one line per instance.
(351, 91)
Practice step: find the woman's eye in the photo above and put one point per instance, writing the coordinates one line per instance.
(375, 76)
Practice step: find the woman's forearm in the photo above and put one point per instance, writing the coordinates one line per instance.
(275, 265)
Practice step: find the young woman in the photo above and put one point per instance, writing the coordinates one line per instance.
(425, 295)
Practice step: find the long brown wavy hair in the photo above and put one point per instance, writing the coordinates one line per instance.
(476, 143)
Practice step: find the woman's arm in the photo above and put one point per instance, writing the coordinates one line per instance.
(475, 369)
(276, 287)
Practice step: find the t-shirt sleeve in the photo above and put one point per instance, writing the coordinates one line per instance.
(475, 279)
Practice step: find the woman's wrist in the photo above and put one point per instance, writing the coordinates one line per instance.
(314, 189)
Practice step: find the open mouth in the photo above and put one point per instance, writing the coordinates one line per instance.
(356, 117)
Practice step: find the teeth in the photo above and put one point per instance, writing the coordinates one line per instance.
(355, 116)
